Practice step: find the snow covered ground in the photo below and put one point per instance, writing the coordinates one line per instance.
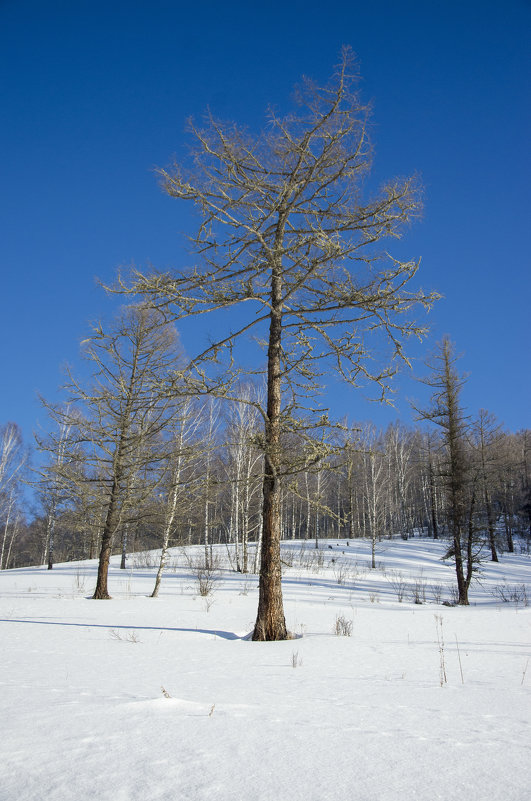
(141, 699)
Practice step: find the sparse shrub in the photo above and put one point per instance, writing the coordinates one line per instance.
(523, 545)
(288, 557)
(301, 555)
(173, 564)
(206, 569)
(453, 596)
(342, 627)
(436, 591)
(398, 583)
(512, 594)
(341, 573)
(79, 582)
(418, 591)
(296, 660)
(206, 573)
(208, 600)
(311, 560)
(206, 578)
(146, 559)
(131, 636)
(232, 556)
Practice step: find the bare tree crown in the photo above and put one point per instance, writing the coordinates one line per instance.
(284, 229)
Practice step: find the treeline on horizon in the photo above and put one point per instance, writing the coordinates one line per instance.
(192, 474)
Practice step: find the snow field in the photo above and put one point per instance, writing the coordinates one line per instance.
(140, 698)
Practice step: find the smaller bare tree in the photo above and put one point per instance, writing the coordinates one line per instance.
(447, 413)
(116, 419)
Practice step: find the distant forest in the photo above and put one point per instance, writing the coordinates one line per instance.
(199, 480)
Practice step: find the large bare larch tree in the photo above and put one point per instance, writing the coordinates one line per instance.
(286, 237)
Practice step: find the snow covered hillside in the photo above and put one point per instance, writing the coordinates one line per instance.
(377, 697)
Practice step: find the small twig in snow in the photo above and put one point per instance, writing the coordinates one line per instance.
(459, 656)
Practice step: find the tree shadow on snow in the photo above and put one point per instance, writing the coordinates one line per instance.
(225, 635)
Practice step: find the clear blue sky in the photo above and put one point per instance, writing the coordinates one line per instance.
(95, 94)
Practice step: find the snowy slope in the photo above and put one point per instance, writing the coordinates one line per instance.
(140, 699)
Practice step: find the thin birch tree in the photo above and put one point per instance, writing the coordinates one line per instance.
(52, 489)
(13, 462)
(375, 486)
(178, 481)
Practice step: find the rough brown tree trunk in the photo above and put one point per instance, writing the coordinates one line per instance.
(457, 470)
(270, 622)
(491, 527)
(433, 498)
(470, 541)
(462, 588)
(51, 542)
(101, 592)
